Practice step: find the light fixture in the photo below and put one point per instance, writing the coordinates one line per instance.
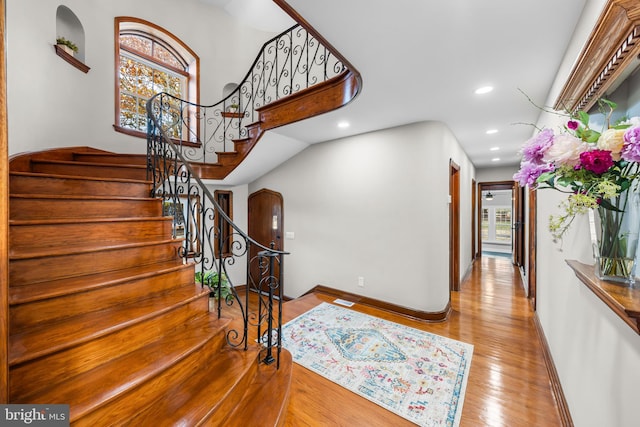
(495, 159)
(488, 196)
(492, 131)
(343, 125)
(484, 89)
(494, 148)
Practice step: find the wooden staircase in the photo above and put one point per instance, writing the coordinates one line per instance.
(104, 314)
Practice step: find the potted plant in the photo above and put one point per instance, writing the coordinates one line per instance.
(67, 45)
(212, 279)
(233, 108)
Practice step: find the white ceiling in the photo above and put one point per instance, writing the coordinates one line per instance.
(422, 60)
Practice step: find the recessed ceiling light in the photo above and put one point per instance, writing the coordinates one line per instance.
(492, 131)
(494, 148)
(483, 90)
(343, 125)
(495, 159)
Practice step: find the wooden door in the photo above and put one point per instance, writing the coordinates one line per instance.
(265, 227)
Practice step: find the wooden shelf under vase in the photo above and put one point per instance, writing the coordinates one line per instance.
(71, 59)
(624, 300)
(230, 115)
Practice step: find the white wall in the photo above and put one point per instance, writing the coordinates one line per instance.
(502, 173)
(375, 206)
(53, 104)
(597, 355)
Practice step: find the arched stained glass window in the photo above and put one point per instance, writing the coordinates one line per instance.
(150, 60)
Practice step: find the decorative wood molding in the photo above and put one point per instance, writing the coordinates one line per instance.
(611, 47)
(556, 387)
(71, 59)
(623, 300)
(423, 316)
(4, 219)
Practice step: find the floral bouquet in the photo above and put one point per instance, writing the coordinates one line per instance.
(597, 170)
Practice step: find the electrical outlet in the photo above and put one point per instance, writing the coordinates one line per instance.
(361, 282)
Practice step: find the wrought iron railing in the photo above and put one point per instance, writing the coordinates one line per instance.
(181, 133)
(215, 243)
(286, 64)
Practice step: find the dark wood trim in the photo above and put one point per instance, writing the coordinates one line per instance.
(622, 300)
(424, 316)
(612, 46)
(474, 201)
(71, 59)
(556, 386)
(489, 185)
(454, 226)
(4, 219)
(532, 278)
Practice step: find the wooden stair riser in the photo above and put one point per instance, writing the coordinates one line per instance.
(45, 340)
(138, 172)
(34, 270)
(110, 158)
(220, 371)
(30, 379)
(32, 208)
(48, 184)
(24, 316)
(36, 237)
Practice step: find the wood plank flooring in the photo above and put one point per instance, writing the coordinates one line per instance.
(508, 381)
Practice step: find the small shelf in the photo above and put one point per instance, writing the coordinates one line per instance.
(71, 59)
(230, 115)
(623, 300)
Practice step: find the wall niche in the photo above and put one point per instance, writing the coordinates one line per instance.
(69, 27)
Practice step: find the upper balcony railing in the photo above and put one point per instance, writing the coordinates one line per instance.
(288, 63)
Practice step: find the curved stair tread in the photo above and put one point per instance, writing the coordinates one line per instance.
(67, 286)
(212, 393)
(203, 336)
(79, 177)
(50, 338)
(54, 251)
(270, 385)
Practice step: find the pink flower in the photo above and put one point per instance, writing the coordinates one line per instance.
(572, 124)
(529, 173)
(596, 161)
(631, 147)
(565, 150)
(533, 150)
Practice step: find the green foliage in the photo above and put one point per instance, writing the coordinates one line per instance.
(71, 45)
(213, 280)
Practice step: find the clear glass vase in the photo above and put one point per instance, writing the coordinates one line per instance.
(617, 240)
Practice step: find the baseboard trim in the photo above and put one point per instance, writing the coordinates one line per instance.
(422, 316)
(556, 387)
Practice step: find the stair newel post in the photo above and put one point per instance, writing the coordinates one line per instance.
(280, 284)
(218, 261)
(268, 359)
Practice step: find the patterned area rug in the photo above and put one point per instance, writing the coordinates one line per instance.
(417, 375)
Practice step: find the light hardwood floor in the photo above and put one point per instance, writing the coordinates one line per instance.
(508, 382)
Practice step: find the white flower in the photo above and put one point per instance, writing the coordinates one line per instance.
(611, 140)
(565, 150)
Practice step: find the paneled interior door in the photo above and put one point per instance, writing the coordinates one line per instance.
(265, 227)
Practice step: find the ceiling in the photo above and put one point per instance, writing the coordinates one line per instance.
(422, 60)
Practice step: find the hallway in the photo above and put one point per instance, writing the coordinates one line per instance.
(508, 383)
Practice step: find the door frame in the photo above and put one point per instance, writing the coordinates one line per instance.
(454, 226)
(487, 186)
